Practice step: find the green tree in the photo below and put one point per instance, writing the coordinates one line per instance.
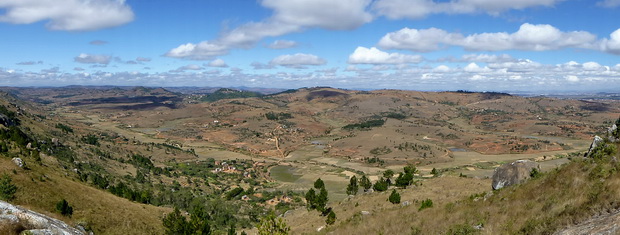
(388, 174)
(270, 225)
(311, 199)
(434, 171)
(394, 197)
(318, 184)
(331, 218)
(365, 183)
(64, 208)
(352, 188)
(7, 188)
(175, 223)
(410, 169)
(381, 185)
(321, 200)
(404, 179)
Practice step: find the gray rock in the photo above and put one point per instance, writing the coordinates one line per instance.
(512, 173)
(610, 133)
(405, 203)
(18, 161)
(595, 143)
(365, 213)
(34, 222)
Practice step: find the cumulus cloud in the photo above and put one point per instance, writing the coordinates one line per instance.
(68, 15)
(612, 44)
(416, 9)
(282, 44)
(289, 16)
(423, 40)
(298, 60)
(93, 59)
(327, 14)
(529, 37)
(363, 55)
(217, 63)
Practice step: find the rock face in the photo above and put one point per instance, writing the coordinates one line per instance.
(613, 134)
(512, 173)
(595, 143)
(16, 217)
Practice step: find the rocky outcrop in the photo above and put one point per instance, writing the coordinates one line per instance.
(26, 220)
(613, 133)
(600, 224)
(595, 143)
(513, 173)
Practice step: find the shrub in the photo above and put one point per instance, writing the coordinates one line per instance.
(365, 183)
(331, 218)
(428, 203)
(64, 208)
(7, 189)
(394, 197)
(269, 225)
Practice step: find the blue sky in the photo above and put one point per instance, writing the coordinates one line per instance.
(517, 45)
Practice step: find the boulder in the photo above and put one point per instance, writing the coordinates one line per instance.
(513, 173)
(18, 161)
(595, 143)
(32, 222)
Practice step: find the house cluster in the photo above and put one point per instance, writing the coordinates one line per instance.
(225, 167)
(276, 200)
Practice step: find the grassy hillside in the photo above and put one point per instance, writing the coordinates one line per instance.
(41, 187)
(560, 198)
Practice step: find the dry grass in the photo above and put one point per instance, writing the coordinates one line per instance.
(560, 198)
(40, 188)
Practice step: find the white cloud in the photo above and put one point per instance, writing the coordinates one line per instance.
(297, 60)
(474, 68)
(202, 51)
(529, 37)
(609, 3)
(441, 69)
(289, 16)
(327, 14)
(571, 78)
(611, 45)
(217, 63)
(487, 58)
(363, 55)
(69, 15)
(416, 9)
(282, 44)
(423, 40)
(93, 59)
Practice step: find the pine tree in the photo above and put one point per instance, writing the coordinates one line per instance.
(318, 184)
(352, 188)
(64, 208)
(394, 197)
(365, 183)
(381, 185)
(311, 199)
